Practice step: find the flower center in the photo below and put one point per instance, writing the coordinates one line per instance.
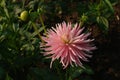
(65, 39)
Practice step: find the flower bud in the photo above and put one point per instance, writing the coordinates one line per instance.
(24, 15)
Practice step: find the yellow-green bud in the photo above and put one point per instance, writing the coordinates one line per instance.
(24, 15)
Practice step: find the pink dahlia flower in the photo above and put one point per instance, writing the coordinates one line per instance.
(67, 43)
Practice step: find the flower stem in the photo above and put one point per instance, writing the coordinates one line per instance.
(58, 71)
(68, 74)
(35, 28)
(41, 20)
(23, 3)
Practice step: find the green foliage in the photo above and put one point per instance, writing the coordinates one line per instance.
(98, 13)
(8, 77)
(18, 42)
(77, 71)
(107, 2)
(2, 73)
(41, 74)
(103, 23)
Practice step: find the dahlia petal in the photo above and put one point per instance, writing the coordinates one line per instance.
(79, 63)
(67, 60)
(79, 32)
(61, 61)
(57, 50)
(81, 54)
(47, 53)
(51, 63)
(75, 46)
(72, 51)
(86, 35)
(72, 57)
(71, 63)
(85, 48)
(76, 30)
(79, 37)
(59, 53)
(60, 28)
(68, 44)
(51, 48)
(82, 41)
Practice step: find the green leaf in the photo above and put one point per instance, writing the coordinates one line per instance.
(2, 3)
(76, 72)
(0, 56)
(42, 74)
(108, 3)
(88, 70)
(6, 12)
(2, 73)
(28, 47)
(15, 27)
(8, 77)
(34, 16)
(2, 38)
(103, 23)
(38, 31)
